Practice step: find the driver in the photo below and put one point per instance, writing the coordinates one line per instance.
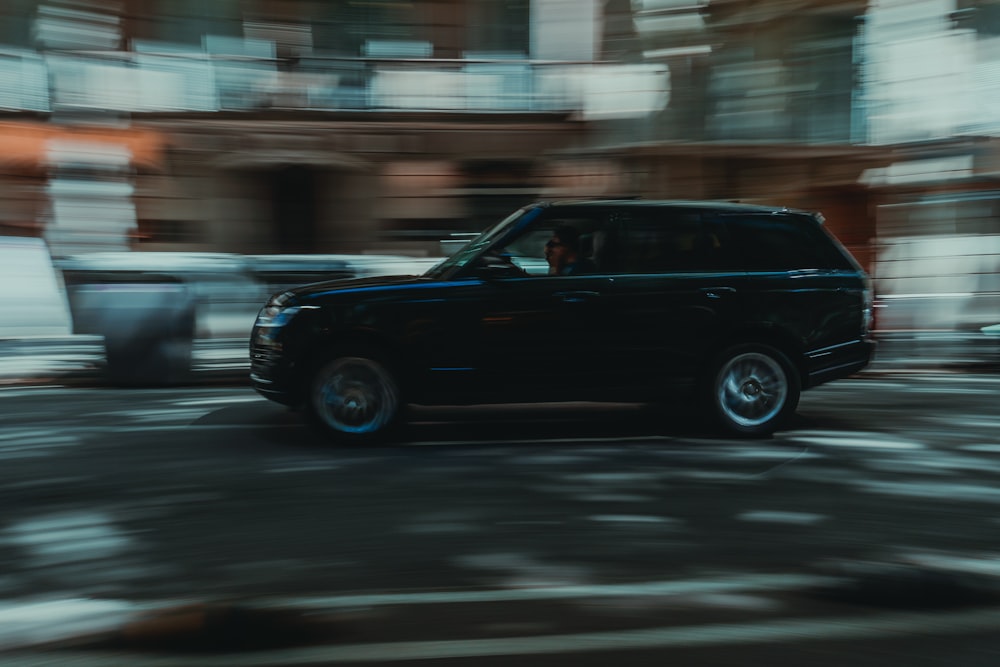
(562, 252)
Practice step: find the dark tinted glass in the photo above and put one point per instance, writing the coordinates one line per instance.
(665, 241)
(782, 243)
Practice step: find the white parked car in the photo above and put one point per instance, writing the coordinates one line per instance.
(37, 336)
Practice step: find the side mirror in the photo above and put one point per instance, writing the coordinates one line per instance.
(491, 267)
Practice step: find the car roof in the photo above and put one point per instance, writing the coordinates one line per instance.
(726, 206)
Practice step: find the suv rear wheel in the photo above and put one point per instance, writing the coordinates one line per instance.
(355, 398)
(752, 389)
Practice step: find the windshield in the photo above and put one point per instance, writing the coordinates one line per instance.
(474, 247)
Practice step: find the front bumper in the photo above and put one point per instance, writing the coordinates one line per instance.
(272, 373)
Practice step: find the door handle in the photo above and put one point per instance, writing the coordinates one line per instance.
(717, 292)
(576, 296)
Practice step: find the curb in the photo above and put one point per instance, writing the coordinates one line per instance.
(267, 628)
(182, 627)
(220, 627)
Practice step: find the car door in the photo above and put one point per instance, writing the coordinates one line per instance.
(544, 337)
(671, 298)
(538, 337)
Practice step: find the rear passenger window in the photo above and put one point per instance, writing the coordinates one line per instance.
(664, 242)
(781, 243)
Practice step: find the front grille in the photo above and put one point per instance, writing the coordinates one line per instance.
(263, 357)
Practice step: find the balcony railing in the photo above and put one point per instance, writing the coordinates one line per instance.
(156, 79)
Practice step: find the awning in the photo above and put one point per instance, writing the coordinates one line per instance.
(26, 147)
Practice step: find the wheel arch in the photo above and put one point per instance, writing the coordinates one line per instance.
(780, 339)
(751, 410)
(376, 423)
(375, 342)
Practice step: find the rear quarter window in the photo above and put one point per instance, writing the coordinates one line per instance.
(782, 243)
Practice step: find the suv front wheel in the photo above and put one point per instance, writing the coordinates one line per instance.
(355, 398)
(752, 389)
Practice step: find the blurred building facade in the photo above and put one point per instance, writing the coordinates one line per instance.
(292, 126)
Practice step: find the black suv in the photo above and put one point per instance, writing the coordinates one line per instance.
(739, 306)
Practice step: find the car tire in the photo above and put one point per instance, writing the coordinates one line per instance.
(751, 390)
(355, 398)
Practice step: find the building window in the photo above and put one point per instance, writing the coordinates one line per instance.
(167, 231)
(16, 18)
(499, 26)
(345, 28)
(182, 21)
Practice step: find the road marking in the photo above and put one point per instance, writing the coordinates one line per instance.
(986, 564)
(632, 518)
(17, 390)
(65, 544)
(793, 518)
(858, 440)
(735, 583)
(540, 440)
(24, 623)
(942, 491)
(988, 448)
(224, 400)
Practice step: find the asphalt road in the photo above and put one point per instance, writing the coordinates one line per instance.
(868, 532)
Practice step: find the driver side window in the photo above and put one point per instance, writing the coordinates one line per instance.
(527, 251)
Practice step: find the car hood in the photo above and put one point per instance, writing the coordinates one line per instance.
(331, 288)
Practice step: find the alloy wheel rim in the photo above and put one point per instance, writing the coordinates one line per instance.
(356, 395)
(752, 389)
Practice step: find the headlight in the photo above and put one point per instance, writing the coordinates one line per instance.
(277, 313)
(276, 316)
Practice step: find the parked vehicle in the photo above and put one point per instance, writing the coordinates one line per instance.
(37, 338)
(31, 291)
(739, 306)
(151, 307)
